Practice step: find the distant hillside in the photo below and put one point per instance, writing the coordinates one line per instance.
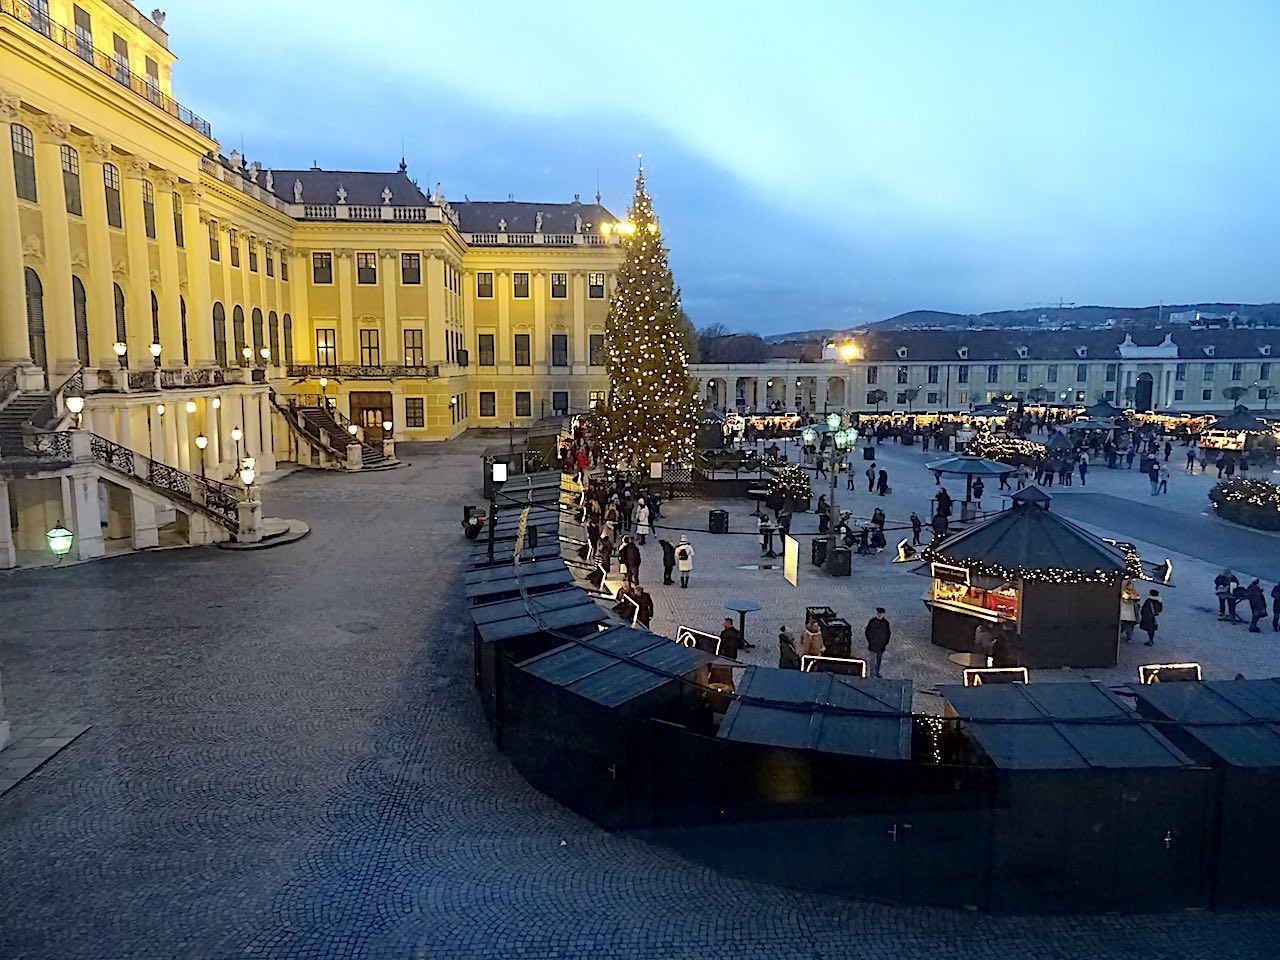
(1051, 318)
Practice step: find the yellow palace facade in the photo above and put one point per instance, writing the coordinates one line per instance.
(188, 310)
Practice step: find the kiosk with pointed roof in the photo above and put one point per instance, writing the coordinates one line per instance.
(1058, 584)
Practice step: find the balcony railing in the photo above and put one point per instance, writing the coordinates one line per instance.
(539, 239)
(31, 16)
(354, 371)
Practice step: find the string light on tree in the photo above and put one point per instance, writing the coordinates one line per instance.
(651, 413)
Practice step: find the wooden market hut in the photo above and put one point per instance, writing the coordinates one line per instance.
(1059, 584)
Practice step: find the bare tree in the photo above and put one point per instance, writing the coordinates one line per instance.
(911, 393)
(1265, 393)
(877, 397)
(1235, 393)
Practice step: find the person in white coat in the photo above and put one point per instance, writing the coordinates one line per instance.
(643, 529)
(684, 560)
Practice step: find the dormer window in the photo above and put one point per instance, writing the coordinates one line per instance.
(1210, 350)
(963, 353)
(1265, 349)
(1082, 352)
(1022, 353)
(902, 353)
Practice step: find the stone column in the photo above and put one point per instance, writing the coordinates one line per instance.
(155, 448)
(183, 430)
(98, 290)
(8, 558)
(59, 316)
(146, 532)
(538, 290)
(451, 303)
(578, 291)
(392, 343)
(14, 345)
(173, 412)
(138, 294)
(250, 424)
(347, 351)
(213, 452)
(86, 513)
(169, 293)
(199, 302)
(502, 290)
(304, 338)
(267, 459)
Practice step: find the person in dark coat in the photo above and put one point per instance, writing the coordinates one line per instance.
(1257, 605)
(668, 561)
(916, 526)
(1147, 616)
(629, 556)
(882, 483)
(730, 640)
(944, 502)
(1275, 608)
(877, 633)
(788, 655)
(1006, 646)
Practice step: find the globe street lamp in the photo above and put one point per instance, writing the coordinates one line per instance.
(265, 354)
(202, 441)
(237, 435)
(121, 349)
(75, 406)
(155, 354)
(60, 540)
(842, 440)
(247, 353)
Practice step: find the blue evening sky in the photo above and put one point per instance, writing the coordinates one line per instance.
(814, 164)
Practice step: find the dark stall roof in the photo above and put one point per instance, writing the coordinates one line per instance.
(1037, 727)
(1029, 537)
(1241, 421)
(882, 730)
(535, 606)
(1238, 721)
(528, 581)
(547, 547)
(483, 577)
(616, 665)
(575, 621)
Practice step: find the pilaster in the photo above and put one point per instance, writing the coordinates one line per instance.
(392, 342)
(14, 345)
(99, 290)
(169, 293)
(138, 296)
(347, 352)
(199, 303)
(59, 316)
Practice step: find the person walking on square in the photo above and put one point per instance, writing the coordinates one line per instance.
(820, 467)
(1131, 455)
(730, 640)
(642, 522)
(1168, 450)
(788, 655)
(811, 644)
(1275, 608)
(1191, 459)
(979, 488)
(1153, 474)
(1128, 611)
(882, 483)
(1083, 468)
(611, 518)
(684, 560)
(871, 478)
(1148, 616)
(629, 556)
(1163, 486)
(668, 560)
(916, 527)
(1257, 605)
(1222, 585)
(877, 633)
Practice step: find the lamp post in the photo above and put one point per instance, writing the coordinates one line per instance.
(841, 441)
(247, 476)
(237, 435)
(201, 442)
(155, 349)
(75, 406)
(60, 540)
(121, 350)
(247, 353)
(498, 479)
(265, 354)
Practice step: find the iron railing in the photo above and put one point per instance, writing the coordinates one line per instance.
(216, 499)
(142, 380)
(355, 371)
(48, 413)
(54, 444)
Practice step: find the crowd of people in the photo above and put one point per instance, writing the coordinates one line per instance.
(1232, 593)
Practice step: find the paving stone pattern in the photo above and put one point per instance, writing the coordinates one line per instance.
(286, 759)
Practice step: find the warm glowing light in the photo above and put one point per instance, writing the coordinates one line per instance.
(155, 349)
(237, 434)
(216, 403)
(247, 475)
(386, 425)
(351, 429)
(120, 348)
(202, 441)
(191, 406)
(160, 409)
(75, 405)
(60, 539)
(848, 352)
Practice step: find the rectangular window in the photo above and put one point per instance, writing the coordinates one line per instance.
(902, 397)
(1178, 395)
(121, 50)
(933, 374)
(284, 269)
(1237, 371)
(560, 402)
(1180, 372)
(559, 286)
(962, 374)
(179, 228)
(370, 350)
(233, 242)
(595, 286)
(488, 403)
(322, 268)
(1264, 371)
(597, 398)
(485, 347)
(595, 349)
(903, 374)
(559, 349)
(524, 403)
(24, 161)
(932, 399)
(413, 351)
(366, 268)
(271, 264)
(415, 412)
(1109, 395)
(1051, 373)
(71, 179)
(1207, 372)
(1082, 372)
(327, 347)
(522, 350)
(253, 257)
(1112, 370)
(153, 80)
(873, 374)
(993, 372)
(1206, 394)
(410, 269)
(1079, 396)
(1022, 373)
(111, 186)
(215, 248)
(962, 396)
(149, 209)
(84, 34)
(871, 400)
(484, 285)
(520, 286)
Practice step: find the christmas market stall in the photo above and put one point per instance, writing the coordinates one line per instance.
(1242, 433)
(1055, 584)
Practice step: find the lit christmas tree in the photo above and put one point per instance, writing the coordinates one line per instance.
(652, 412)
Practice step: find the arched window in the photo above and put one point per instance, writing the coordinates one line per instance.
(179, 231)
(258, 343)
(288, 338)
(273, 336)
(71, 178)
(149, 208)
(122, 328)
(24, 162)
(35, 318)
(220, 334)
(237, 334)
(79, 303)
(111, 185)
(186, 350)
(155, 318)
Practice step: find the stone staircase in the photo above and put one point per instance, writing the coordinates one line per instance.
(327, 430)
(14, 416)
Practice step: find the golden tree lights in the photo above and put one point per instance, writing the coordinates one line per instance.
(652, 411)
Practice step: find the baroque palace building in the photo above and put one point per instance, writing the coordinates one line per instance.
(187, 309)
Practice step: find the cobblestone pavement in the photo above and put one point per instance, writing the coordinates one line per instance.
(286, 759)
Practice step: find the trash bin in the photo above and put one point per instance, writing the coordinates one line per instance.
(841, 561)
(837, 634)
(819, 551)
(718, 521)
(868, 453)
